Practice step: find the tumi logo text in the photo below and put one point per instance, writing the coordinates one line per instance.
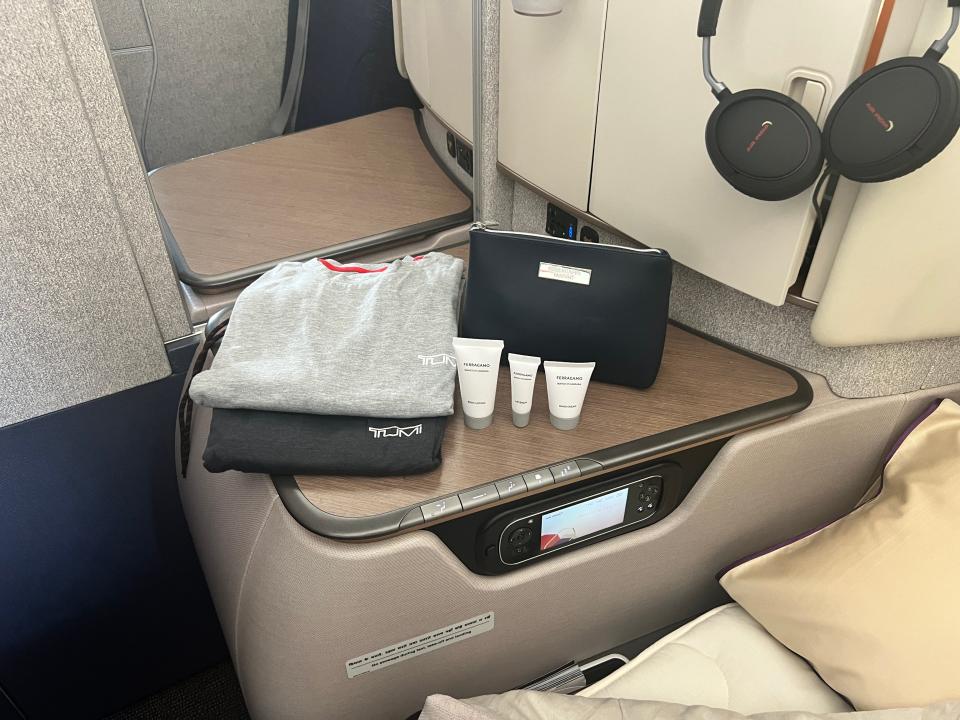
(438, 359)
(396, 431)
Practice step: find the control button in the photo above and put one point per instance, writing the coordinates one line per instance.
(565, 471)
(649, 496)
(538, 478)
(520, 536)
(441, 508)
(511, 486)
(478, 496)
(414, 517)
(587, 465)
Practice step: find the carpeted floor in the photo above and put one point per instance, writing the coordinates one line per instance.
(211, 695)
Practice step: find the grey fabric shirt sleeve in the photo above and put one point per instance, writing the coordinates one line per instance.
(319, 338)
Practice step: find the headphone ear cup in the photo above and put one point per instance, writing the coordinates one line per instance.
(893, 120)
(765, 144)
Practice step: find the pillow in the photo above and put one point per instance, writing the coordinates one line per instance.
(872, 601)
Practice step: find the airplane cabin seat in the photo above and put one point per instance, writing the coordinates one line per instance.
(722, 659)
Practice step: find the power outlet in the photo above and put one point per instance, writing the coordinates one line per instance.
(465, 156)
(588, 234)
(451, 144)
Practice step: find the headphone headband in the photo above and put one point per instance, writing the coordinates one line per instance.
(710, 15)
(939, 47)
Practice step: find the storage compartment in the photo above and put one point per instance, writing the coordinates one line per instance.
(652, 178)
(438, 58)
(549, 83)
(894, 277)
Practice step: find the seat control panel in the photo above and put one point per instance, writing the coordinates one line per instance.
(485, 494)
(564, 522)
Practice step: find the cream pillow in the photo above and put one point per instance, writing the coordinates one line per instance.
(872, 601)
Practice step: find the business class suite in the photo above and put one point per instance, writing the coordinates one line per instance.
(479, 359)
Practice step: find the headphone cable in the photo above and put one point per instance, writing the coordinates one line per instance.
(822, 208)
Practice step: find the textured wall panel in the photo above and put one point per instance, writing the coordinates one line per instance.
(94, 79)
(782, 333)
(75, 319)
(496, 190)
(219, 75)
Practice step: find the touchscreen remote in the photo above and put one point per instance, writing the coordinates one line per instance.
(577, 521)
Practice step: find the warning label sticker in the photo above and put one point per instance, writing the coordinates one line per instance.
(434, 640)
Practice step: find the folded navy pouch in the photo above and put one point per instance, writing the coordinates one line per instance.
(280, 443)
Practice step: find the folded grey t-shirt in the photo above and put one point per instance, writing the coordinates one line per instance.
(331, 339)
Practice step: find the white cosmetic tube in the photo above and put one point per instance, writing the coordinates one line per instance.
(523, 376)
(566, 387)
(478, 366)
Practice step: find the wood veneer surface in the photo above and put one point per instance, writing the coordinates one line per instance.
(303, 192)
(699, 380)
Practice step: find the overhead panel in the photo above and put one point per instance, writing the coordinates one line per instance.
(652, 177)
(549, 85)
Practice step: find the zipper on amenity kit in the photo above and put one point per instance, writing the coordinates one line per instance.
(490, 228)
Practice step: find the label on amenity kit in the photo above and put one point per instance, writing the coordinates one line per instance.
(565, 273)
(428, 642)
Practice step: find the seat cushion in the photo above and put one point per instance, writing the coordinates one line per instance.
(723, 659)
(530, 705)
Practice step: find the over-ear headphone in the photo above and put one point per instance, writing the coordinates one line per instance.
(893, 119)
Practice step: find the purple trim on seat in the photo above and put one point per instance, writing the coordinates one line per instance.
(778, 546)
(890, 453)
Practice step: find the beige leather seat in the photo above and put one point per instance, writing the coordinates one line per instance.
(723, 659)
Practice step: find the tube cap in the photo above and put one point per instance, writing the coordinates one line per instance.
(521, 419)
(478, 423)
(564, 423)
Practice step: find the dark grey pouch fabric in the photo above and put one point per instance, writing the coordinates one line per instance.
(571, 301)
(299, 444)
